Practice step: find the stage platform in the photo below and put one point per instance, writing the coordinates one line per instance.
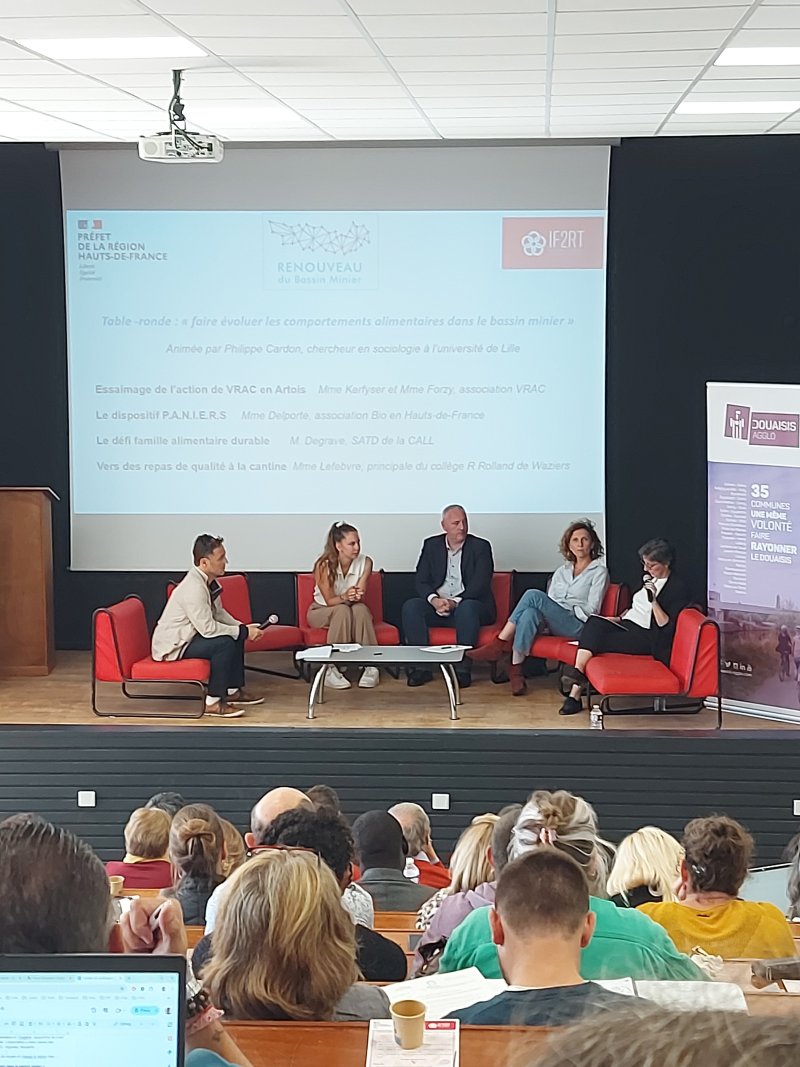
(63, 699)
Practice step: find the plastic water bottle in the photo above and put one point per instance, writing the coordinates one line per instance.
(596, 718)
(411, 871)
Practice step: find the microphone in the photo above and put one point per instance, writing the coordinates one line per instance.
(649, 587)
(268, 622)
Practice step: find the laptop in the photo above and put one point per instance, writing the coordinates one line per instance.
(768, 883)
(72, 1011)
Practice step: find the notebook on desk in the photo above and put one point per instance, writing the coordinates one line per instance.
(70, 1011)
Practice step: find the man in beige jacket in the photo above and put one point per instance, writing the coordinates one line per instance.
(194, 625)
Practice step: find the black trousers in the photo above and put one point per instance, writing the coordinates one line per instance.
(468, 618)
(601, 635)
(226, 656)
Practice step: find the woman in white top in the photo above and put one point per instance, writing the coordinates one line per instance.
(575, 592)
(342, 573)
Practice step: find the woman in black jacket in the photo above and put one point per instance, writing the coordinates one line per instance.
(646, 629)
(196, 851)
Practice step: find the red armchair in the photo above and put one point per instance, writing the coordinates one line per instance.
(235, 599)
(385, 633)
(693, 672)
(616, 600)
(121, 654)
(501, 591)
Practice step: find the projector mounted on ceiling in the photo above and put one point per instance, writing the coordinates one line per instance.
(180, 145)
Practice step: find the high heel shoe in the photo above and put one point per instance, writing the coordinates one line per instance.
(490, 653)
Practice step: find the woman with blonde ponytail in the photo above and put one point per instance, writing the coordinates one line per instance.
(197, 853)
(341, 574)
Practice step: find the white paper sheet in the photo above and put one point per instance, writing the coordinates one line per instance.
(444, 648)
(694, 996)
(443, 993)
(439, 1047)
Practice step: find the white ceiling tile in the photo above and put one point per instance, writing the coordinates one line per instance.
(492, 113)
(638, 5)
(356, 103)
(246, 7)
(765, 38)
(622, 61)
(775, 17)
(297, 65)
(477, 64)
(639, 42)
(613, 105)
(28, 67)
(472, 98)
(522, 47)
(140, 25)
(611, 91)
(286, 46)
(565, 74)
(11, 51)
(229, 25)
(445, 7)
(657, 20)
(491, 80)
(75, 8)
(461, 25)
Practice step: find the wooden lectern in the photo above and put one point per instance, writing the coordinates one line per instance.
(27, 643)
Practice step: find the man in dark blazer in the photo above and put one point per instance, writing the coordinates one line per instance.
(454, 588)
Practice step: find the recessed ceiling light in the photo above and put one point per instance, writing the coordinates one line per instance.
(737, 107)
(113, 47)
(759, 57)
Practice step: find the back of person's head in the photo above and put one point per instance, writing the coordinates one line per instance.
(284, 947)
(718, 853)
(543, 894)
(469, 864)
(169, 802)
(379, 841)
(791, 856)
(196, 843)
(54, 891)
(323, 796)
(270, 806)
(674, 1039)
(501, 836)
(234, 849)
(568, 823)
(323, 832)
(147, 833)
(415, 824)
(648, 857)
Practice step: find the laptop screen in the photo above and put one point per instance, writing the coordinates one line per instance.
(72, 1011)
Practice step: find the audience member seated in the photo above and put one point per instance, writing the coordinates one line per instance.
(675, 1039)
(470, 866)
(646, 629)
(484, 846)
(196, 850)
(322, 796)
(284, 947)
(234, 849)
(381, 851)
(575, 592)
(167, 801)
(145, 865)
(416, 827)
(540, 922)
(326, 834)
(645, 869)
(708, 912)
(269, 807)
(194, 625)
(622, 947)
(341, 574)
(454, 588)
(791, 855)
(56, 901)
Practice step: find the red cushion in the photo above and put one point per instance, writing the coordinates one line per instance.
(446, 635)
(314, 635)
(616, 673)
(177, 670)
(386, 634)
(277, 638)
(558, 648)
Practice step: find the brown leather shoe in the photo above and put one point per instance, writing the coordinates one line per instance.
(243, 697)
(517, 679)
(224, 711)
(490, 653)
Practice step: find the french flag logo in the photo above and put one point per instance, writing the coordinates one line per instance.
(97, 224)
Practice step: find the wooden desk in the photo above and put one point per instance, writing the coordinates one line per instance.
(345, 1044)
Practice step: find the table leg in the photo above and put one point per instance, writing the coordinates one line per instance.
(453, 691)
(316, 692)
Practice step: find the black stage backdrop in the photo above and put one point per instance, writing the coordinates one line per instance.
(703, 285)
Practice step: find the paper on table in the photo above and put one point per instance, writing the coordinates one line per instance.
(439, 1047)
(318, 652)
(792, 985)
(694, 996)
(617, 985)
(443, 993)
(444, 648)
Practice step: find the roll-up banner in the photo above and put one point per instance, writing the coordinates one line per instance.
(753, 539)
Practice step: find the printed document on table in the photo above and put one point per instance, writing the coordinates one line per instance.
(439, 1046)
(444, 648)
(443, 993)
(694, 996)
(319, 652)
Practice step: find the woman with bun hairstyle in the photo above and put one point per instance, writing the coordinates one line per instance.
(197, 852)
(342, 573)
(709, 912)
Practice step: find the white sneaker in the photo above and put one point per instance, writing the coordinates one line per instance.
(369, 678)
(335, 679)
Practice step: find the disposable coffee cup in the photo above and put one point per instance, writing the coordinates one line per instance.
(408, 1017)
(116, 882)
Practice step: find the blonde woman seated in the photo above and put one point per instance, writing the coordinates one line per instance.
(342, 573)
(708, 912)
(645, 868)
(575, 592)
(234, 849)
(285, 948)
